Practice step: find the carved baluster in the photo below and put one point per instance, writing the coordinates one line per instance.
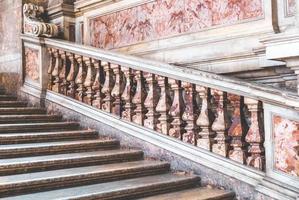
(88, 97)
(163, 106)
(97, 85)
(117, 90)
(80, 79)
(63, 73)
(107, 88)
(72, 76)
(220, 145)
(127, 95)
(176, 110)
(255, 135)
(138, 99)
(190, 114)
(151, 101)
(51, 68)
(205, 136)
(236, 130)
(56, 72)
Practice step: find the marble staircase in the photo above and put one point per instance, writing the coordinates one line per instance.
(44, 157)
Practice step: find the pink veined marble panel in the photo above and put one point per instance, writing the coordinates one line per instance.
(286, 140)
(290, 7)
(165, 18)
(32, 63)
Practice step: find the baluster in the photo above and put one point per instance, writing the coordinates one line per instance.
(190, 115)
(80, 79)
(107, 88)
(51, 68)
(163, 106)
(117, 90)
(72, 76)
(236, 130)
(205, 136)
(127, 95)
(255, 135)
(97, 85)
(138, 99)
(63, 73)
(88, 96)
(56, 72)
(151, 101)
(176, 110)
(220, 145)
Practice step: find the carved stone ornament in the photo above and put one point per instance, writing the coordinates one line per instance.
(34, 23)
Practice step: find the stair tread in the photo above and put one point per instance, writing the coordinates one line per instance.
(122, 186)
(29, 116)
(67, 156)
(78, 171)
(29, 134)
(23, 108)
(38, 124)
(7, 96)
(49, 144)
(13, 102)
(194, 194)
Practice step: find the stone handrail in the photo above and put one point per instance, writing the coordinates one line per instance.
(220, 114)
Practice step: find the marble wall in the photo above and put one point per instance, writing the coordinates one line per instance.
(165, 18)
(10, 42)
(286, 139)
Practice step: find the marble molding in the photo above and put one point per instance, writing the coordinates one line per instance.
(165, 18)
(32, 64)
(286, 139)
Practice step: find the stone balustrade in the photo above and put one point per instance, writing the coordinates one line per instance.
(223, 122)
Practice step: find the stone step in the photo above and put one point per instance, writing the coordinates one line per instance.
(19, 150)
(124, 189)
(25, 183)
(5, 97)
(61, 161)
(35, 127)
(12, 104)
(22, 111)
(2, 91)
(195, 194)
(12, 119)
(17, 138)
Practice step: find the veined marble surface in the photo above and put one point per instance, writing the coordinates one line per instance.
(165, 18)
